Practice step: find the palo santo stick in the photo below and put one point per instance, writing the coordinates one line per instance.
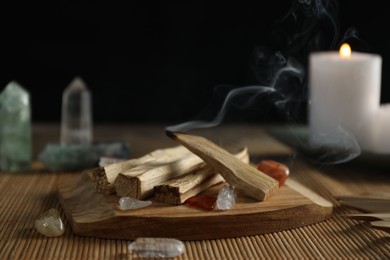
(366, 203)
(177, 191)
(104, 177)
(173, 193)
(138, 182)
(245, 178)
(369, 216)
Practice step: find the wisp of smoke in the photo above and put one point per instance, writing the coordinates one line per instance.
(283, 76)
(343, 148)
(281, 100)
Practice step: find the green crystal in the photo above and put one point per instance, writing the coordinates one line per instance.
(72, 157)
(76, 157)
(15, 128)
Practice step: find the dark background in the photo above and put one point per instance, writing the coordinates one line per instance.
(163, 61)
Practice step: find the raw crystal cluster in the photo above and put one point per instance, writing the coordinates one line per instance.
(15, 128)
(156, 247)
(76, 120)
(75, 157)
(50, 224)
(68, 158)
(226, 198)
(113, 149)
(128, 203)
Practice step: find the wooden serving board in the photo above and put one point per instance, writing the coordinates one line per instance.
(95, 214)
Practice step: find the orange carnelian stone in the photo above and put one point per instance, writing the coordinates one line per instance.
(275, 170)
(202, 202)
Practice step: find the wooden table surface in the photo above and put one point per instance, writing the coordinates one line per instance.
(23, 196)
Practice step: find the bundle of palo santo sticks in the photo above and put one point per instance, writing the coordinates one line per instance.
(376, 210)
(176, 173)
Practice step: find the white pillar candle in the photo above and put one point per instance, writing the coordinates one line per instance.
(344, 98)
(382, 130)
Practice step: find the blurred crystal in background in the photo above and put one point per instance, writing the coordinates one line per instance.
(15, 128)
(76, 121)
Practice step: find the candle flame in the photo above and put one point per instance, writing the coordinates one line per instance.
(345, 51)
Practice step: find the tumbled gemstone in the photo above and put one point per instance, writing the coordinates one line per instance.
(156, 247)
(226, 197)
(276, 170)
(50, 224)
(128, 203)
(202, 202)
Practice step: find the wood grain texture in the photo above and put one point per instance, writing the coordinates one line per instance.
(178, 190)
(366, 203)
(242, 176)
(139, 181)
(96, 214)
(104, 177)
(369, 216)
(382, 225)
(26, 195)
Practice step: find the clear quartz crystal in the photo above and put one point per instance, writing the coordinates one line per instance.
(128, 203)
(50, 224)
(156, 247)
(76, 121)
(15, 128)
(226, 198)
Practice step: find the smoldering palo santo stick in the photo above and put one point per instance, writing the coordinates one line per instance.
(245, 178)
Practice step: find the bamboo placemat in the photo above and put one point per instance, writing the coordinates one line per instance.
(25, 195)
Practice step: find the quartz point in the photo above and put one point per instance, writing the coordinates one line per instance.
(226, 198)
(76, 119)
(15, 128)
(156, 247)
(128, 203)
(50, 224)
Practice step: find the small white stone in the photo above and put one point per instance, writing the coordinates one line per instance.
(226, 198)
(50, 224)
(104, 161)
(128, 203)
(156, 247)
